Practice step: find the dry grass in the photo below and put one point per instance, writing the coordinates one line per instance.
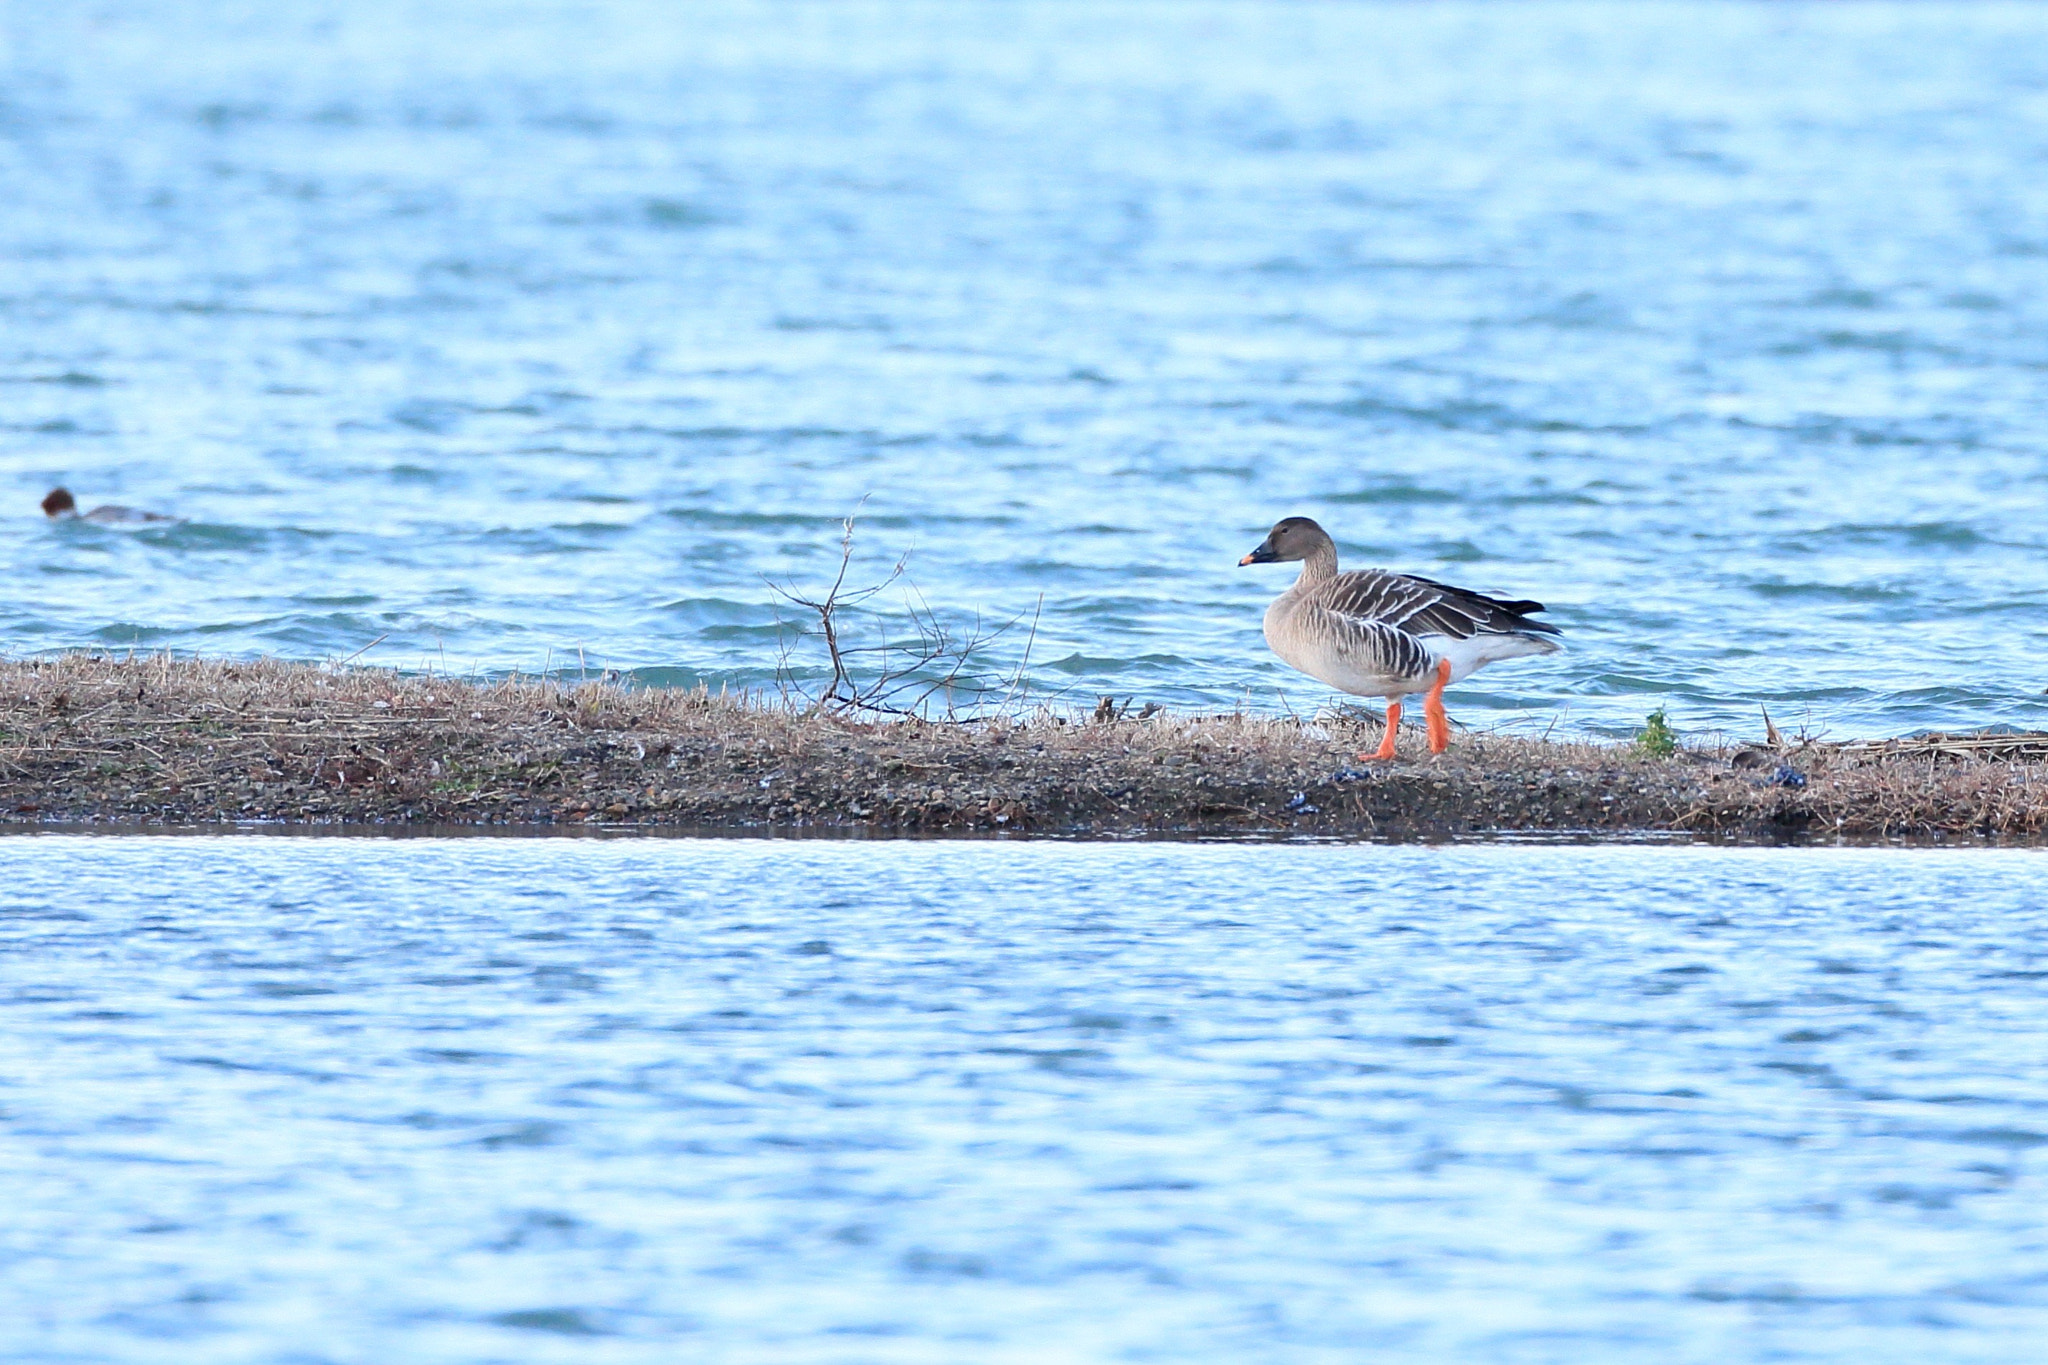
(197, 741)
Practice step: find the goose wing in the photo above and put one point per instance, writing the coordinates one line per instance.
(1416, 606)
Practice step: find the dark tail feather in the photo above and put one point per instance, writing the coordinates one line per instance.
(1525, 625)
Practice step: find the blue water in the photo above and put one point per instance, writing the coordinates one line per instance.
(484, 334)
(289, 1100)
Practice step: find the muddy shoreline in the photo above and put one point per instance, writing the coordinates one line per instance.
(183, 744)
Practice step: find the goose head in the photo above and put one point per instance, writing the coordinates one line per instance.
(1290, 538)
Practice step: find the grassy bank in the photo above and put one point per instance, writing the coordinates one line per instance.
(198, 742)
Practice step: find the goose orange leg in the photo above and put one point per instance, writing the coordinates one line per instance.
(1386, 749)
(1433, 708)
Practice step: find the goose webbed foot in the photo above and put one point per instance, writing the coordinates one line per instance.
(1393, 730)
(1433, 708)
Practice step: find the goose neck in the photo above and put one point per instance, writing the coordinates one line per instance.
(1319, 567)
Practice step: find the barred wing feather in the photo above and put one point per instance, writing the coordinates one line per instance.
(1422, 606)
(1372, 648)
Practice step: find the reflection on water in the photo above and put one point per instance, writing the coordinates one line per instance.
(1715, 326)
(432, 1100)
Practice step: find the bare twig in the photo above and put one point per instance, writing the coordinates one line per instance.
(913, 661)
(344, 663)
(1017, 678)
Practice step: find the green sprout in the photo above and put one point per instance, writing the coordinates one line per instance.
(1657, 738)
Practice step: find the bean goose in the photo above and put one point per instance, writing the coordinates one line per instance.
(1378, 634)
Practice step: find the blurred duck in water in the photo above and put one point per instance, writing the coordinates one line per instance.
(1378, 634)
(61, 506)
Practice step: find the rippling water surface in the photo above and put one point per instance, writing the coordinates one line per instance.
(496, 332)
(356, 1101)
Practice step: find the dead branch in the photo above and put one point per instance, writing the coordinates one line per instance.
(916, 657)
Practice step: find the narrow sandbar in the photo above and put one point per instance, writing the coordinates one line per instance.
(183, 742)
